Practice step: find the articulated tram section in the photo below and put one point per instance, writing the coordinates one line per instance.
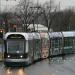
(26, 48)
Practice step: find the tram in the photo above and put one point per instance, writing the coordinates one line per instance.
(16, 49)
(25, 48)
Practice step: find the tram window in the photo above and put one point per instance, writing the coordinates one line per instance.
(55, 43)
(60, 43)
(30, 45)
(68, 42)
(14, 46)
(37, 44)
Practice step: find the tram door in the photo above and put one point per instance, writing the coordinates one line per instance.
(30, 47)
(56, 46)
(1, 49)
(37, 46)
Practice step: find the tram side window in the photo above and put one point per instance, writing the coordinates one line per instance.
(68, 42)
(60, 43)
(30, 45)
(55, 43)
(37, 46)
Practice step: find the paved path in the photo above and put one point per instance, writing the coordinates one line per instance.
(56, 67)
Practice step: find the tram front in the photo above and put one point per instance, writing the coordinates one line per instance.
(15, 49)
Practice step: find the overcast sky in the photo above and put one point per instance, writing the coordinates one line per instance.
(66, 3)
(63, 3)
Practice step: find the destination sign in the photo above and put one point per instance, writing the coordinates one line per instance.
(15, 36)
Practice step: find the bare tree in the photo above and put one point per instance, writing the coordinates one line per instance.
(25, 13)
(30, 12)
(5, 16)
(49, 10)
(67, 18)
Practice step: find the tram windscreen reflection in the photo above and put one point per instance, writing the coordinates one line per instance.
(15, 46)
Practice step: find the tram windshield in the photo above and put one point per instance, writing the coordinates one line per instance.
(15, 46)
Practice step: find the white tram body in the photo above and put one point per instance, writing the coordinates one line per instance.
(16, 48)
(26, 48)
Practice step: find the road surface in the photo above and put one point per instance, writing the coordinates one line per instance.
(56, 67)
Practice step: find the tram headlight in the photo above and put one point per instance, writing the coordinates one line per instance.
(8, 56)
(21, 56)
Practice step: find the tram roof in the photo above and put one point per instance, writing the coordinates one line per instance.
(21, 33)
(69, 34)
(28, 36)
(55, 34)
(36, 35)
(44, 35)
